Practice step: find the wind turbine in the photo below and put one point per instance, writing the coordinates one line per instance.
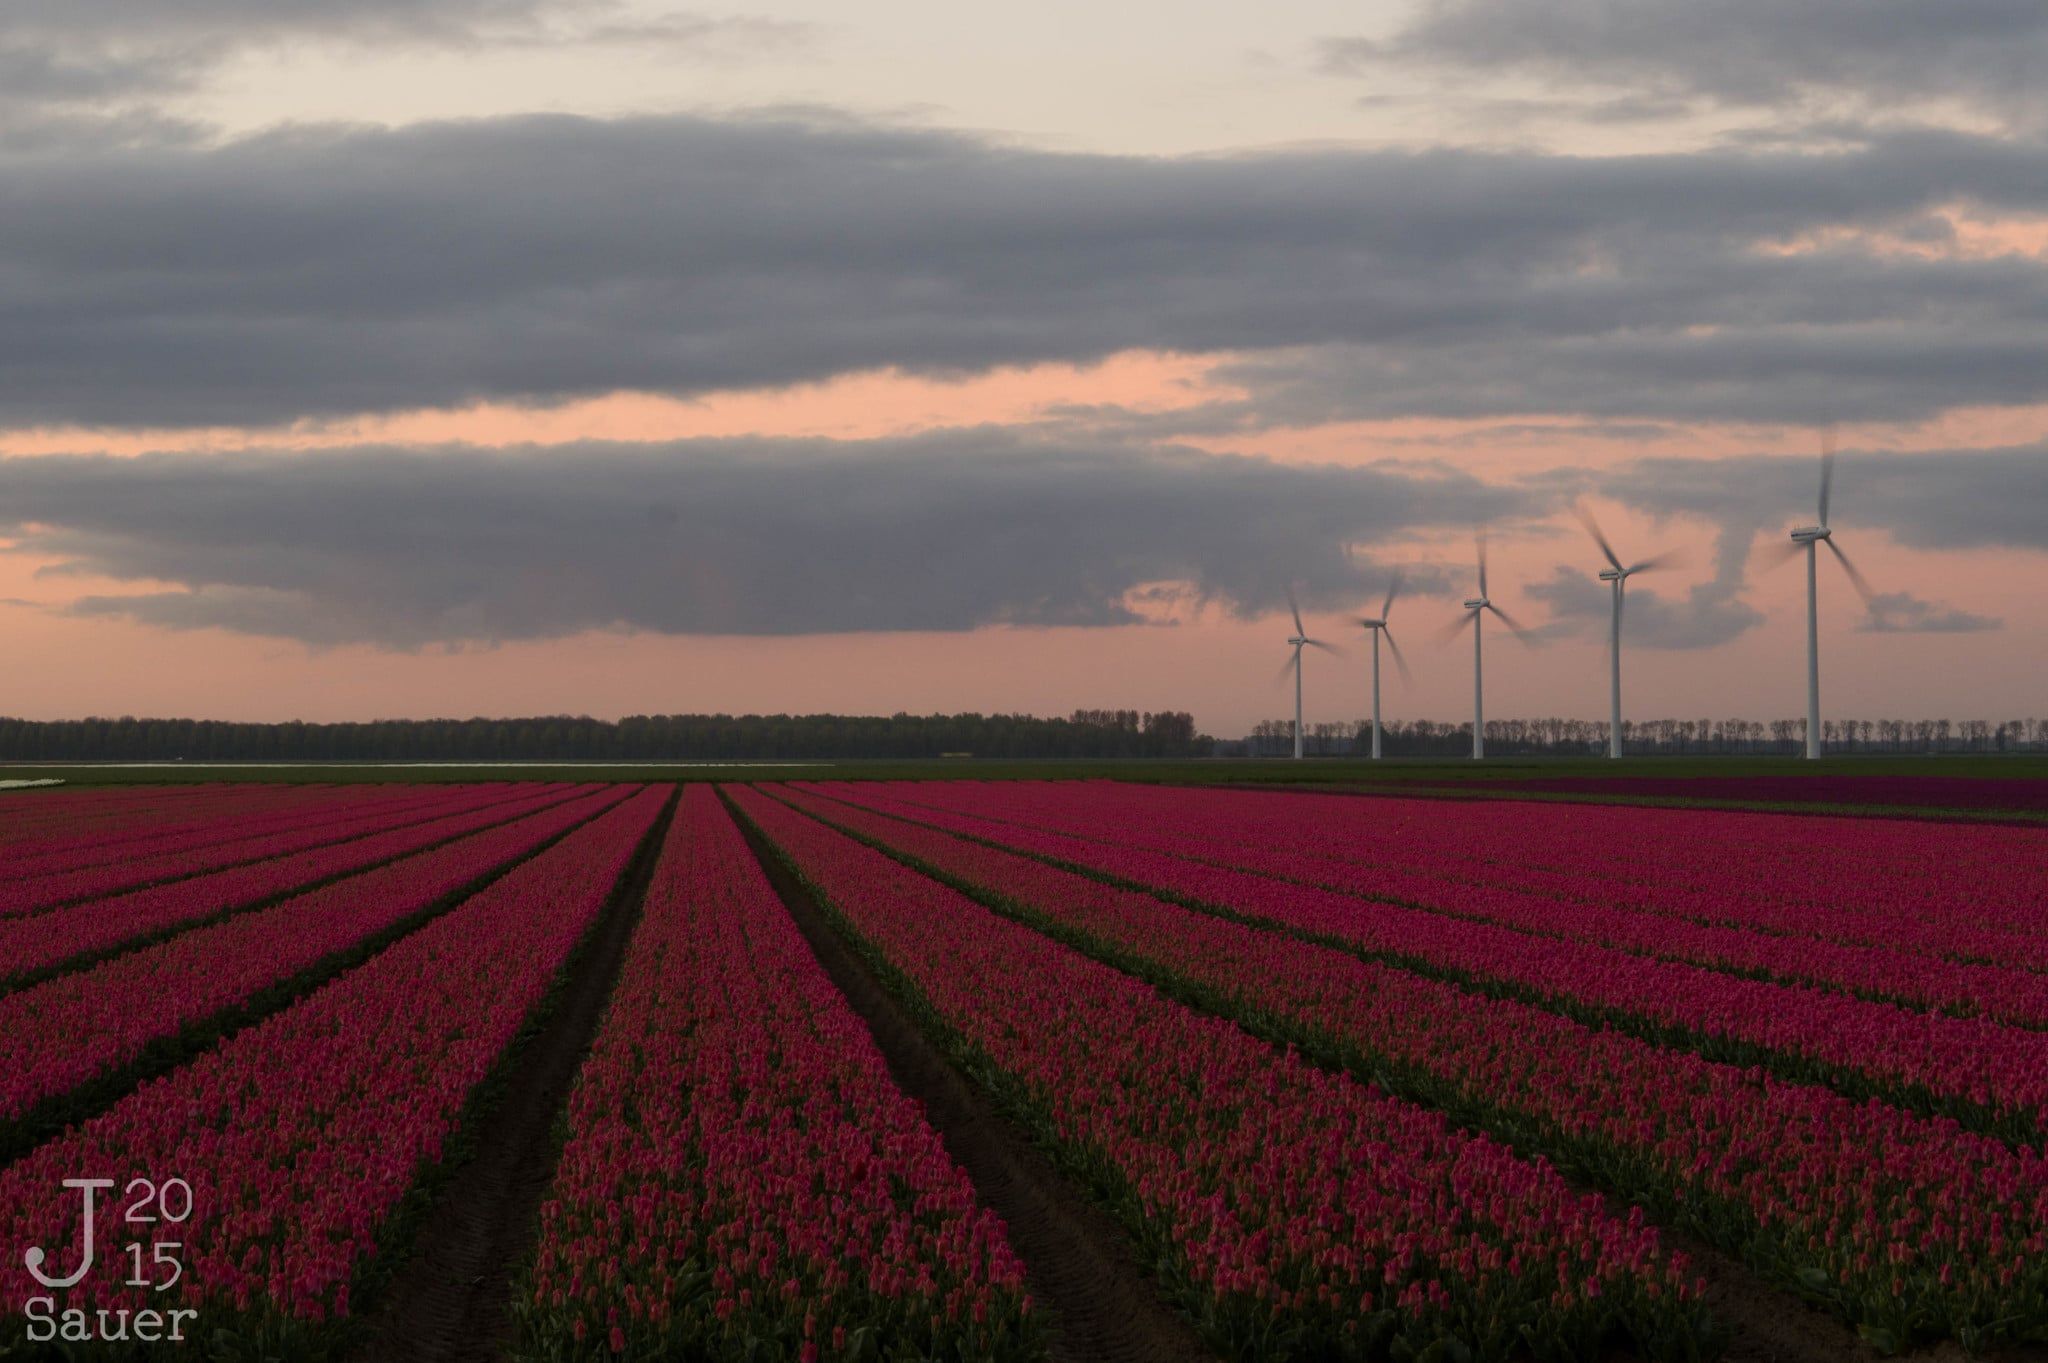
(1811, 537)
(1618, 577)
(1299, 640)
(1378, 626)
(1474, 609)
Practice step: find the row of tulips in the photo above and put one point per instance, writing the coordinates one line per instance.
(1991, 794)
(82, 839)
(1908, 1226)
(1294, 1212)
(1777, 866)
(739, 1165)
(67, 1031)
(209, 850)
(1989, 1076)
(47, 942)
(69, 817)
(301, 1136)
(1848, 880)
(224, 822)
(1916, 979)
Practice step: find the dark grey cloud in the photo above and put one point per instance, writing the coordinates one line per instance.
(1932, 499)
(321, 271)
(1905, 613)
(57, 55)
(1925, 340)
(406, 547)
(1580, 607)
(1938, 499)
(59, 59)
(140, 20)
(1709, 613)
(1876, 54)
(33, 75)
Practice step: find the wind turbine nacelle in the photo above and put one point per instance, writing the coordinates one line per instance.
(1612, 574)
(1807, 534)
(1478, 605)
(1297, 642)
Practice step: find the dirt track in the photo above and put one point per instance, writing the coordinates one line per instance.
(451, 1300)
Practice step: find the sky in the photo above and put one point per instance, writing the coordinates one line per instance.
(456, 357)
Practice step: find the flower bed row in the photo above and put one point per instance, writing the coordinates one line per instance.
(243, 819)
(1989, 1076)
(1908, 1226)
(739, 1165)
(2009, 794)
(1915, 979)
(70, 817)
(301, 1136)
(71, 821)
(1296, 1213)
(205, 850)
(39, 945)
(67, 1031)
(1848, 880)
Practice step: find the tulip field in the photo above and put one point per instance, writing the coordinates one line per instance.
(855, 1069)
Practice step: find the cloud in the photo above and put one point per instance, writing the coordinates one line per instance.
(1936, 500)
(1986, 55)
(61, 54)
(1905, 613)
(1932, 499)
(1709, 614)
(64, 57)
(409, 547)
(317, 272)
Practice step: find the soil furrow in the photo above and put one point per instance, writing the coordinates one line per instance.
(450, 1299)
(1079, 1262)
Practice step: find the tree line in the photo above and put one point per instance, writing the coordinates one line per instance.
(1584, 737)
(1082, 734)
(1085, 733)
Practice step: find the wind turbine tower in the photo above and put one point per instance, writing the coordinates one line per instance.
(1474, 609)
(1617, 578)
(1811, 537)
(1299, 640)
(1378, 626)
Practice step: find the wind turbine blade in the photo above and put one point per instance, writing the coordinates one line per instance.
(1407, 677)
(1656, 561)
(1287, 668)
(1295, 607)
(1393, 585)
(1593, 529)
(1856, 579)
(1457, 627)
(1511, 623)
(1480, 541)
(1330, 649)
(1827, 471)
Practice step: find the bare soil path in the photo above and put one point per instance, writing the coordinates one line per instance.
(450, 1301)
(1078, 1260)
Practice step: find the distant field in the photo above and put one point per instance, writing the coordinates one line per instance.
(2001, 787)
(1920, 791)
(2014, 789)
